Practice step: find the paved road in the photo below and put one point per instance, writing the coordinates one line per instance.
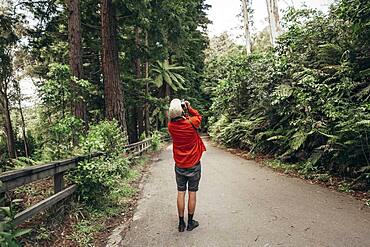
(243, 204)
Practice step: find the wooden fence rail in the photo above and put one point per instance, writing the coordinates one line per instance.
(16, 178)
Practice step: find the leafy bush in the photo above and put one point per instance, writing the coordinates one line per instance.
(97, 177)
(8, 232)
(156, 140)
(105, 136)
(237, 133)
(59, 140)
(217, 125)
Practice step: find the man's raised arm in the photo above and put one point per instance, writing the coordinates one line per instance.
(195, 117)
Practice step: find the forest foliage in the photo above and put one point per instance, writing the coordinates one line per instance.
(304, 100)
(307, 100)
(104, 72)
(160, 52)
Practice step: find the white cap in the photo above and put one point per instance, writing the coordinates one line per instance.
(175, 108)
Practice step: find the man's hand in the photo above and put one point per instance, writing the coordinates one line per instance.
(187, 104)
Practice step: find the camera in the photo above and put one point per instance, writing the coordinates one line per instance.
(184, 106)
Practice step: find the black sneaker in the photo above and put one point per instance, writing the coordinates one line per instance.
(182, 227)
(193, 224)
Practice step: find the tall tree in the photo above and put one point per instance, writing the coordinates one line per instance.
(5, 110)
(140, 113)
(113, 94)
(246, 26)
(8, 39)
(75, 59)
(274, 20)
(146, 107)
(19, 98)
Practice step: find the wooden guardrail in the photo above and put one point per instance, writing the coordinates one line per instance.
(16, 178)
(139, 147)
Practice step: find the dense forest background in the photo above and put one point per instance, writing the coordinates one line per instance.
(91, 61)
(104, 73)
(106, 70)
(304, 102)
(302, 99)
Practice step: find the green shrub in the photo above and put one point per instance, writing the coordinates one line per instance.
(60, 140)
(97, 177)
(105, 136)
(8, 231)
(156, 140)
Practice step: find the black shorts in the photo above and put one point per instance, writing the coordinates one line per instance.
(188, 177)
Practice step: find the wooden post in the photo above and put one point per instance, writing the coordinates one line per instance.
(58, 182)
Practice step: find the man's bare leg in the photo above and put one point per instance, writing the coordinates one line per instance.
(191, 209)
(192, 202)
(181, 209)
(181, 203)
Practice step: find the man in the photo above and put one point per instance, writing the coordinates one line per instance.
(187, 152)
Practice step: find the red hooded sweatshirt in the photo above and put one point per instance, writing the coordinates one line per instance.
(188, 147)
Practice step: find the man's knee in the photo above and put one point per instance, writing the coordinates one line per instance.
(181, 193)
(192, 194)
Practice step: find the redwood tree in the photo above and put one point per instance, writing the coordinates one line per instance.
(75, 61)
(146, 106)
(8, 22)
(113, 93)
(5, 110)
(140, 113)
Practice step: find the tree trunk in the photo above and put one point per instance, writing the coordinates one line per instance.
(132, 125)
(167, 94)
(246, 27)
(140, 117)
(140, 120)
(147, 127)
(10, 140)
(167, 91)
(75, 59)
(23, 128)
(113, 93)
(274, 21)
(137, 57)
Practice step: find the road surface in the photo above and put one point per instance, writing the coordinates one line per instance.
(241, 203)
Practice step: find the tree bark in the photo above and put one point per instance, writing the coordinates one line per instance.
(75, 59)
(146, 110)
(274, 21)
(113, 94)
(10, 140)
(246, 27)
(132, 125)
(23, 127)
(140, 120)
(140, 113)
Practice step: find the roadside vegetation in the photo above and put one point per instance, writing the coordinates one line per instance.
(102, 73)
(106, 195)
(305, 102)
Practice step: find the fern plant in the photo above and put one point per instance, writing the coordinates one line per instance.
(167, 73)
(8, 231)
